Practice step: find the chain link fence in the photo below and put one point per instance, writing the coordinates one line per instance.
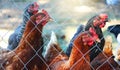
(67, 15)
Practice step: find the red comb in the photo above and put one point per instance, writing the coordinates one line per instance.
(103, 16)
(45, 12)
(93, 32)
(35, 3)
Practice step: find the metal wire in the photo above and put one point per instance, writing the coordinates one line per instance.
(46, 38)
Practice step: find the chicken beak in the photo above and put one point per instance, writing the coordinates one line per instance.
(107, 20)
(50, 19)
(98, 40)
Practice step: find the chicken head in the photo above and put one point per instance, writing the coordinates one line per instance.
(89, 37)
(43, 18)
(33, 8)
(101, 20)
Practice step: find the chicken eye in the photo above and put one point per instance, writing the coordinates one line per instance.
(85, 38)
(32, 5)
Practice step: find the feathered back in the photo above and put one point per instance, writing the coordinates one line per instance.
(79, 30)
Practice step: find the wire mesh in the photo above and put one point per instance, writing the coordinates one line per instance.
(67, 15)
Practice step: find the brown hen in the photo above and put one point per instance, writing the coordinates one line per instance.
(28, 55)
(79, 58)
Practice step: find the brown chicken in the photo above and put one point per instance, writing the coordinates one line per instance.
(107, 49)
(53, 49)
(117, 55)
(29, 53)
(79, 58)
(105, 59)
(97, 22)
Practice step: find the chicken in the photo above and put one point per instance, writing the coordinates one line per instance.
(79, 30)
(117, 50)
(29, 53)
(105, 59)
(53, 49)
(117, 55)
(97, 22)
(107, 50)
(114, 29)
(15, 38)
(79, 58)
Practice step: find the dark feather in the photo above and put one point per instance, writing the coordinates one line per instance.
(115, 29)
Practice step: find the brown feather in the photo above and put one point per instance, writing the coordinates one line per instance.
(30, 43)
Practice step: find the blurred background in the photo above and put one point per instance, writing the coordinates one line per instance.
(67, 15)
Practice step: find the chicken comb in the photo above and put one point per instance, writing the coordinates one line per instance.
(92, 30)
(33, 8)
(45, 12)
(103, 16)
(36, 4)
(94, 34)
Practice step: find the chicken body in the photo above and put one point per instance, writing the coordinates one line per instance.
(79, 58)
(96, 23)
(29, 53)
